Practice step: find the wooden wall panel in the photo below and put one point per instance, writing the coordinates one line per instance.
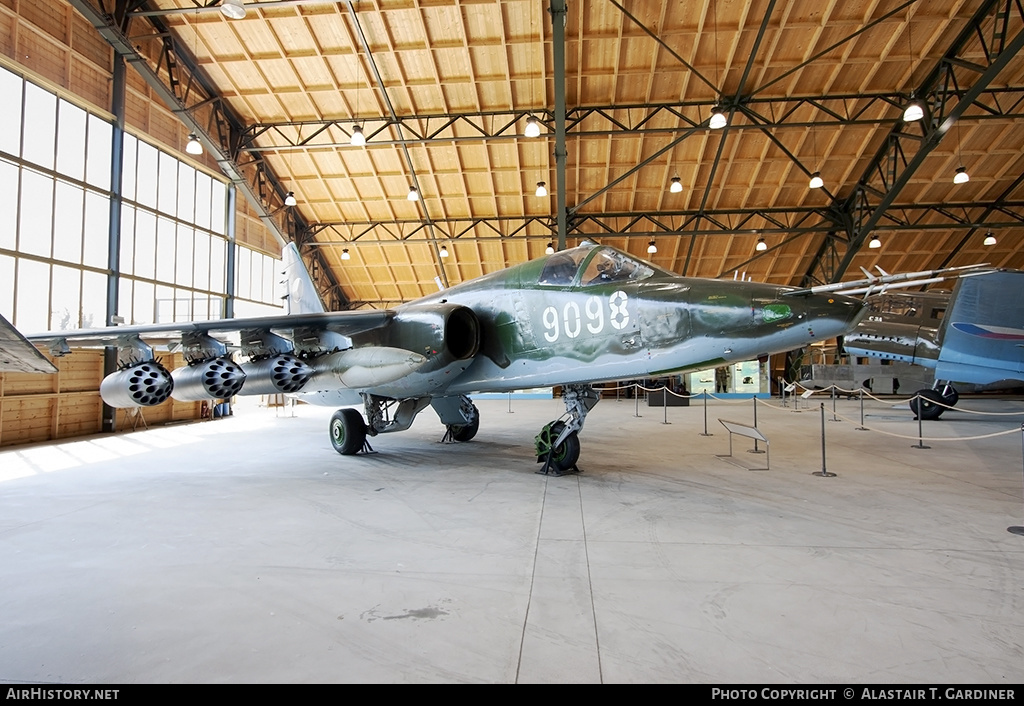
(37, 408)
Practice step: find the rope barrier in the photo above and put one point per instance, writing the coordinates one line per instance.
(936, 438)
(898, 400)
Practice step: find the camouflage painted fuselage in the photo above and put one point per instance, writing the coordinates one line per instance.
(593, 313)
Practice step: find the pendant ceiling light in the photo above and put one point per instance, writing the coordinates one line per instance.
(194, 146)
(542, 189)
(358, 139)
(816, 181)
(676, 186)
(289, 200)
(875, 242)
(989, 239)
(651, 247)
(761, 245)
(914, 111)
(444, 251)
(345, 255)
(718, 119)
(233, 9)
(413, 194)
(532, 127)
(550, 249)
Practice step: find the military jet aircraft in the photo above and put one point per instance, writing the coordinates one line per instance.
(973, 335)
(587, 314)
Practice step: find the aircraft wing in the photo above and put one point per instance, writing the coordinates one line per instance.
(345, 323)
(18, 355)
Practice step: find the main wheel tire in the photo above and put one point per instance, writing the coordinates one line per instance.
(348, 431)
(928, 404)
(565, 455)
(465, 432)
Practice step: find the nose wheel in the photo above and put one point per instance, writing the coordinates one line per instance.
(558, 444)
(559, 458)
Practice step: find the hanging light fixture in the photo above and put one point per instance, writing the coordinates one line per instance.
(761, 245)
(961, 176)
(989, 239)
(816, 181)
(550, 249)
(233, 9)
(676, 186)
(413, 194)
(542, 189)
(194, 146)
(444, 251)
(718, 119)
(875, 242)
(532, 127)
(358, 139)
(289, 199)
(914, 110)
(651, 247)
(345, 255)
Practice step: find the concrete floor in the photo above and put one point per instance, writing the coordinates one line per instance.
(246, 550)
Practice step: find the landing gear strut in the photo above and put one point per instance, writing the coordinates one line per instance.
(558, 444)
(460, 417)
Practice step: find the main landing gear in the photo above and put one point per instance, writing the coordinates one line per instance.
(558, 443)
(348, 431)
(930, 404)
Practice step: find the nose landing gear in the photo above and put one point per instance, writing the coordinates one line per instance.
(558, 443)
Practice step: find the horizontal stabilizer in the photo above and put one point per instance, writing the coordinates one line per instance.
(17, 354)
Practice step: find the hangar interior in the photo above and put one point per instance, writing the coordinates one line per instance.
(156, 155)
(107, 200)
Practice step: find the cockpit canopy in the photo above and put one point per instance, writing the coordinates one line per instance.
(590, 265)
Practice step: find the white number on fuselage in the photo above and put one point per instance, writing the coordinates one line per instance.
(571, 322)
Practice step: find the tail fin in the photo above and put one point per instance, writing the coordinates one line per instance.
(300, 296)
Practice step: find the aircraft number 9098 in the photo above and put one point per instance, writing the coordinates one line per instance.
(573, 320)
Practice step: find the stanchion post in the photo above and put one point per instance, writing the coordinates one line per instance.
(861, 395)
(636, 397)
(834, 419)
(1017, 529)
(920, 433)
(510, 403)
(705, 393)
(824, 473)
(755, 450)
(664, 404)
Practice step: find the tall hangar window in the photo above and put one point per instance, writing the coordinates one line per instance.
(55, 193)
(173, 238)
(54, 209)
(257, 289)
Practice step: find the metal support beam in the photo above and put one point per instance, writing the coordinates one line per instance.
(903, 153)
(558, 17)
(797, 220)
